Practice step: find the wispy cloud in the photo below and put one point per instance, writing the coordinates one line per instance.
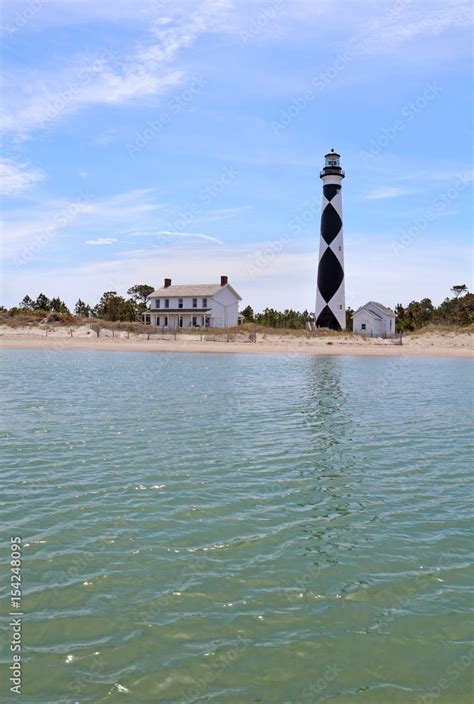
(102, 241)
(85, 215)
(34, 100)
(17, 177)
(385, 192)
(165, 233)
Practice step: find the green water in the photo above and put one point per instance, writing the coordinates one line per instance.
(237, 528)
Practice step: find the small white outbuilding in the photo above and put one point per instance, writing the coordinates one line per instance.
(374, 320)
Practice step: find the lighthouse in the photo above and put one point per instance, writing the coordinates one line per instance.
(330, 298)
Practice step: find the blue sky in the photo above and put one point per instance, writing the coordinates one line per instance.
(184, 138)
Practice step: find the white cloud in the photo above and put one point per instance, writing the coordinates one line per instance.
(15, 177)
(102, 241)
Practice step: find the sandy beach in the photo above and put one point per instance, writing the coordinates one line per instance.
(83, 338)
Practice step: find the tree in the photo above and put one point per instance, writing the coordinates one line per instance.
(83, 309)
(27, 302)
(248, 314)
(140, 293)
(42, 303)
(400, 324)
(130, 310)
(458, 289)
(114, 307)
(349, 314)
(109, 306)
(58, 306)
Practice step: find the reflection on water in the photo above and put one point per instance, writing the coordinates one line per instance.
(239, 528)
(328, 424)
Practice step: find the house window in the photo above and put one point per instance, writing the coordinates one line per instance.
(167, 302)
(363, 326)
(195, 321)
(340, 307)
(157, 303)
(180, 302)
(147, 319)
(204, 302)
(166, 321)
(180, 321)
(390, 324)
(208, 320)
(195, 302)
(340, 248)
(158, 321)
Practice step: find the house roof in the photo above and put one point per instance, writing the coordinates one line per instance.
(383, 309)
(190, 290)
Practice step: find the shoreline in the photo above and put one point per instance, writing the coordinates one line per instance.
(417, 346)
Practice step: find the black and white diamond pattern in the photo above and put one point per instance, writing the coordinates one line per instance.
(330, 299)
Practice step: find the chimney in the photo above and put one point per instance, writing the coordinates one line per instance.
(167, 283)
(224, 280)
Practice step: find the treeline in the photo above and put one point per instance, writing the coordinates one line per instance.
(452, 311)
(458, 310)
(110, 307)
(292, 319)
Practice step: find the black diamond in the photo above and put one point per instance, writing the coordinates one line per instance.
(330, 191)
(330, 274)
(331, 223)
(327, 319)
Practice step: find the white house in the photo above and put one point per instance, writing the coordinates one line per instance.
(194, 305)
(374, 320)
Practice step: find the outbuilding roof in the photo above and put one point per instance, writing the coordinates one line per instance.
(382, 308)
(363, 309)
(386, 310)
